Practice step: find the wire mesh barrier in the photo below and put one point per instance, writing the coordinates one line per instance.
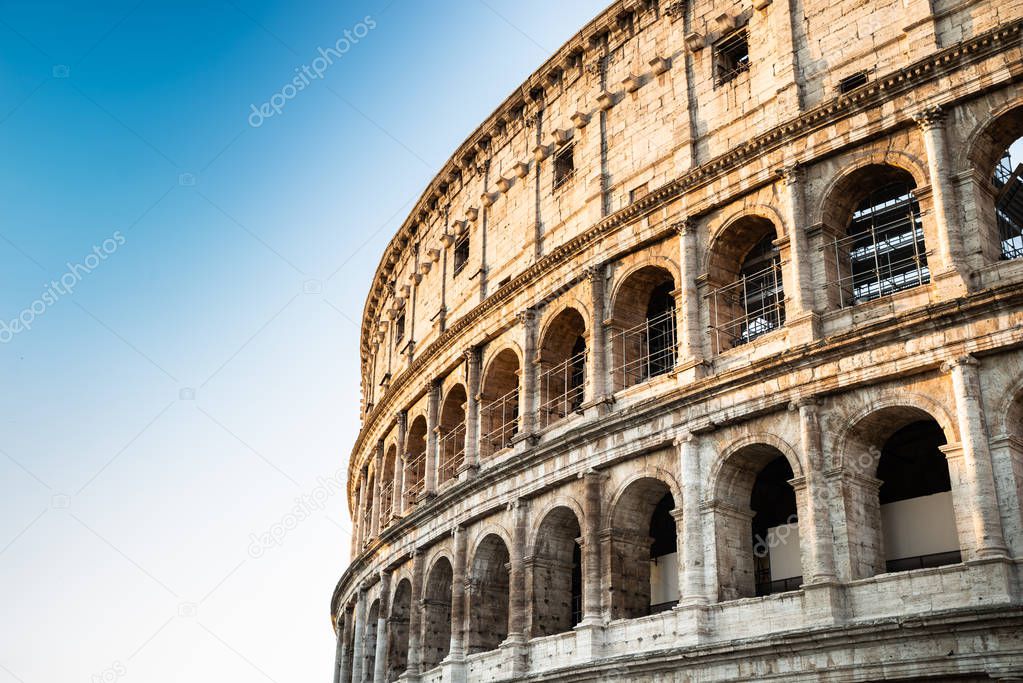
(452, 453)
(884, 252)
(386, 501)
(561, 390)
(644, 351)
(1009, 209)
(748, 308)
(415, 476)
(499, 419)
(731, 56)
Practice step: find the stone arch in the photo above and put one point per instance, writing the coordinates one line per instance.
(489, 594)
(552, 310)
(415, 460)
(744, 274)
(990, 137)
(451, 432)
(436, 640)
(896, 445)
(557, 572)
(398, 629)
(620, 279)
(755, 517)
(369, 648)
(533, 532)
(727, 225)
(499, 399)
(644, 546)
(875, 228)
(643, 337)
(561, 366)
(1009, 414)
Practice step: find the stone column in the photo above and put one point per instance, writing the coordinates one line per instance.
(591, 549)
(472, 409)
(516, 572)
(415, 617)
(690, 344)
(457, 649)
(527, 378)
(932, 124)
(380, 658)
(693, 587)
(978, 471)
(375, 513)
(596, 387)
(432, 422)
(398, 497)
(345, 668)
(359, 651)
(360, 510)
(814, 523)
(797, 277)
(1007, 458)
(339, 652)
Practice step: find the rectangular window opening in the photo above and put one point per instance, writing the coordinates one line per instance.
(852, 82)
(731, 56)
(564, 166)
(399, 328)
(461, 253)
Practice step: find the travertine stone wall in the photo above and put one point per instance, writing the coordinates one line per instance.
(532, 558)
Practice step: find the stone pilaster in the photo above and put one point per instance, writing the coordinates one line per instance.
(398, 497)
(814, 523)
(947, 272)
(380, 659)
(797, 260)
(359, 651)
(344, 673)
(378, 468)
(527, 378)
(517, 613)
(693, 585)
(977, 469)
(360, 510)
(591, 548)
(432, 421)
(596, 386)
(472, 409)
(690, 361)
(339, 652)
(415, 622)
(457, 649)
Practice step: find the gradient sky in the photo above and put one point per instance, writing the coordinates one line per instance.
(194, 371)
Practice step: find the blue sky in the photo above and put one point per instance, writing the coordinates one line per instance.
(179, 294)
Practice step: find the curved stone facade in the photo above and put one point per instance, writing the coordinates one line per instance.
(700, 360)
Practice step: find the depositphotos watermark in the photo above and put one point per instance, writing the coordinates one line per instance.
(56, 289)
(305, 506)
(307, 73)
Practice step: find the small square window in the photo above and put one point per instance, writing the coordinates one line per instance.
(564, 166)
(852, 82)
(731, 56)
(461, 253)
(638, 193)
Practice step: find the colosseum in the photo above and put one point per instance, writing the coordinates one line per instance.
(699, 360)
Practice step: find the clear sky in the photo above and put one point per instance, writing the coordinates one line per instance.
(179, 297)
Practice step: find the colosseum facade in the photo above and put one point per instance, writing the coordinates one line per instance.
(700, 361)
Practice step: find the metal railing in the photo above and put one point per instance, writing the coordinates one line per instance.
(778, 586)
(500, 421)
(561, 390)
(415, 477)
(882, 260)
(644, 351)
(904, 564)
(452, 453)
(1009, 210)
(386, 501)
(752, 306)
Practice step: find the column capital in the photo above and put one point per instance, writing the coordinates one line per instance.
(791, 174)
(951, 363)
(684, 225)
(804, 402)
(595, 272)
(930, 117)
(526, 317)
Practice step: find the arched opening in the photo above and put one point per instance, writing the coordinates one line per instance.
(747, 298)
(757, 525)
(905, 515)
(489, 596)
(499, 406)
(398, 630)
(878, 245)
(562, 371)
(437, 614)
(643, 338)
(415, 460)
(557, 574)
(452, 433)
(387, 486)
(644, 551)
(917, 518)
(369, 649)
(997, 157)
